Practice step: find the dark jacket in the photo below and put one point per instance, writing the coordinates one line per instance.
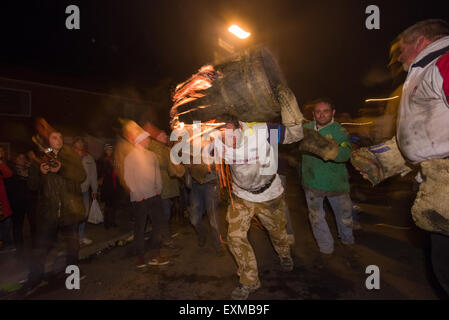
(59, 200)
(19, 195)
(109, 189)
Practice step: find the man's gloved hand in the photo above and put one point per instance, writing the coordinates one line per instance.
(324, 147)
(290, 113)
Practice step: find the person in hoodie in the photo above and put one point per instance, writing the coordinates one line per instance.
(60, 207)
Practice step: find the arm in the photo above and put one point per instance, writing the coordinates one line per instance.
(344, 146)
(128, 172)
(176, 170)
(158, 175)
(72, 167)
(285, 135)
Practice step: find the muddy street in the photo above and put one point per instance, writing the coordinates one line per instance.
(388, 239)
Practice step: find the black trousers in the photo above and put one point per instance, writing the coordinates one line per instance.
(149, 208)
(440, 259)
(110, 208)
(45, 240)
(18, 219)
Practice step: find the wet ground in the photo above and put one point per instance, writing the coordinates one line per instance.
(388, 239)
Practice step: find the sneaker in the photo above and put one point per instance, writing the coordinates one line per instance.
(159, 261)
(140, 263)
(242, 291)
(85, 241)
(287, 264)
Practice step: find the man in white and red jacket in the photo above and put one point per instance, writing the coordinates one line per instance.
(423, 128)
(423, 131)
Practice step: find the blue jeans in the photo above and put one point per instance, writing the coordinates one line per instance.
(342, 208)
(204, 199)
(86, 201)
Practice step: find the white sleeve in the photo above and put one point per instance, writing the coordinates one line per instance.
(128, 172)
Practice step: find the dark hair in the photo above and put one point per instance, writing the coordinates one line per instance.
(229, 118)
(78, 138)
(322, 100)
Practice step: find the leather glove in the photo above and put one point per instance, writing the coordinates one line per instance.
(324, 147)
(290, 113)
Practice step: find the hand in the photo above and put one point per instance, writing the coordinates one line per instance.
(290, 113)
(56, 169)
(44, 167)
(94, 196)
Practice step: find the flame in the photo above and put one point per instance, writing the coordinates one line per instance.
(193, 89)
(189, 91)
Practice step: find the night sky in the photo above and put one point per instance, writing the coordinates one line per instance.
(323, 47)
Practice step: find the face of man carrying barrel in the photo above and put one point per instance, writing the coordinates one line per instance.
(323, 113)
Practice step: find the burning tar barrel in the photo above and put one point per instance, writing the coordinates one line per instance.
(244, 86)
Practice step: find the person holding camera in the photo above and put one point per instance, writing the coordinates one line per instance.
(60, 207)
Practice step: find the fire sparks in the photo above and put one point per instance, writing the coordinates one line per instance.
(187, 92)
(191, 90)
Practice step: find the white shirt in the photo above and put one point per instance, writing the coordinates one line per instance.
(142, 174)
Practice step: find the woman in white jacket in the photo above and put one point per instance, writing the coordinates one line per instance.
(91, 182)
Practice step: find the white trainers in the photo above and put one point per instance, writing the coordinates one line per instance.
(85, 241)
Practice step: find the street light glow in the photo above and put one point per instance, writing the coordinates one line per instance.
(238, 32)
(381, 99)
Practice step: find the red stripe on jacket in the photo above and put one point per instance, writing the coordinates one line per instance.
(443, 67)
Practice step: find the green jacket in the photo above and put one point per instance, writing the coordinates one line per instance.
(59, 201)
(328, 175)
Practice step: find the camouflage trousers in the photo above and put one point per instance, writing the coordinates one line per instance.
(272, 215)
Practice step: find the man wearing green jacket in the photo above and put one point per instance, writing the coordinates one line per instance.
(328, 179)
